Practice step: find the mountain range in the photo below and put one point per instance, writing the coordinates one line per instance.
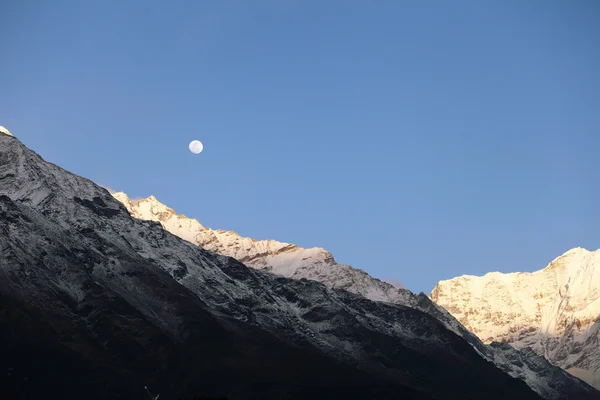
(97, 302)
(317, 264)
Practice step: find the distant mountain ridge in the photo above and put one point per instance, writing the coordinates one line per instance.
(554, 311)
(317, 264)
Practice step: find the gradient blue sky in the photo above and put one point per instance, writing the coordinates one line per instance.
(415, 140)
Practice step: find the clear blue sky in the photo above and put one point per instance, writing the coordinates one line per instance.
(416, 140)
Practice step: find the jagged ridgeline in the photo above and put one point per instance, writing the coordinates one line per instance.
(96, 304)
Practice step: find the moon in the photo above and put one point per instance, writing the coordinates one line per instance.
(196, 146)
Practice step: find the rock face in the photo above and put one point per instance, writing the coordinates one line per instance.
(95, 304)
(316, 264)
(554, 311)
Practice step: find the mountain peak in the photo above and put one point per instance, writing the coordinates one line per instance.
(578, 250)
(121, 196)
(572, 260)
(153, 199)
(5, 131)
(555, 310)
(153, 210)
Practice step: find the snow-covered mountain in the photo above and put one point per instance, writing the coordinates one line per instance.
(96, 304)
(5, 131)
(554, 311)
(317, 264)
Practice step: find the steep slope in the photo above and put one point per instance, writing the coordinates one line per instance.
(555, 311)
(317, 264)
(97, 304)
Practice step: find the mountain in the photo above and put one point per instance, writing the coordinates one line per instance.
(95, 304)
(554, 311)
(316, 264)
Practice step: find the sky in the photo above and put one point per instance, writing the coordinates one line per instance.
(418, 141)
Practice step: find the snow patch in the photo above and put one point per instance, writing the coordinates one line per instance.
(5, 131)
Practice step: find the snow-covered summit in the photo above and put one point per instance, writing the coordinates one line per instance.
(5, 131)
(555, 311)
(152, 210)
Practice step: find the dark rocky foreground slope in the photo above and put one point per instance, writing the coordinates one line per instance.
(95, 305)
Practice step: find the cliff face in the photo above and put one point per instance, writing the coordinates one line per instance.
(555, 311)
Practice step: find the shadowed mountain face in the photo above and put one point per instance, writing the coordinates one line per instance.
(95, 304)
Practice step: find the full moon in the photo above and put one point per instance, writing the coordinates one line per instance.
(196, 146)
